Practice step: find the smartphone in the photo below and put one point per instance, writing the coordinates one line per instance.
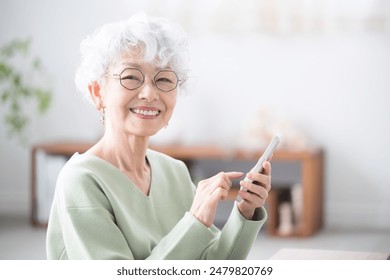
(265, 156)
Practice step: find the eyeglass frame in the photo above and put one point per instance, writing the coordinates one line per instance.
(118, 76)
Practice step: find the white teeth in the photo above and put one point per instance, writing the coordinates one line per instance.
(145, 112)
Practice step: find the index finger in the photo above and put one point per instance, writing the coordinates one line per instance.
(234, 174)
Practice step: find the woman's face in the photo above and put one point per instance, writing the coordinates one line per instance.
(142, 111)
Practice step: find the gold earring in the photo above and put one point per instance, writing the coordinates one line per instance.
(103, 112)
(102, 117)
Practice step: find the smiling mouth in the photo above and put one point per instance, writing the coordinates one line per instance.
(145, 112)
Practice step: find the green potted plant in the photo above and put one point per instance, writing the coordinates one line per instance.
(21, 76)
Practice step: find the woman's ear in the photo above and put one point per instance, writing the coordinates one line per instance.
(94, 91)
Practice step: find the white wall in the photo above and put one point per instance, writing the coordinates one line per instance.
(333, 86)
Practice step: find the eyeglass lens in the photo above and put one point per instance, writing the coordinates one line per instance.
(132, 78)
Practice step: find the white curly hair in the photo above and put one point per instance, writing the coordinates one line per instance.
(158, 40)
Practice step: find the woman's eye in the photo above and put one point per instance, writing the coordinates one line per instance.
(163, 80)
(130, 77)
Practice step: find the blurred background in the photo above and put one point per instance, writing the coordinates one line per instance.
(319, 70)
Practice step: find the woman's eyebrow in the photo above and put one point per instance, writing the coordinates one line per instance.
(139, 66)
(131, 64)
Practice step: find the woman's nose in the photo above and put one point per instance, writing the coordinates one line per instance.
(149, 90)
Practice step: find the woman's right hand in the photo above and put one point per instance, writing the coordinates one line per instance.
(208, 193)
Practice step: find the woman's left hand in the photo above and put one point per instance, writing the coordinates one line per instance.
(257, 191)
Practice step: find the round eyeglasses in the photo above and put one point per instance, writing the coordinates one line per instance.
(133, 78)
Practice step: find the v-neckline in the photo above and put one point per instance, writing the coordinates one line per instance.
(126, 178)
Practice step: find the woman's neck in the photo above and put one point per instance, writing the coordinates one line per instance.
(126, 152)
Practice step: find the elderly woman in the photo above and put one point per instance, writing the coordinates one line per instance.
(121, 200)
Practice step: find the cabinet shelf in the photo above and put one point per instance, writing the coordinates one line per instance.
(306, 168)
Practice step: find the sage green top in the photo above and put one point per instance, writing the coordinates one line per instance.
(98, 213)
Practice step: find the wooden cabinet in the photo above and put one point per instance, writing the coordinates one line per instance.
(289, 170)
